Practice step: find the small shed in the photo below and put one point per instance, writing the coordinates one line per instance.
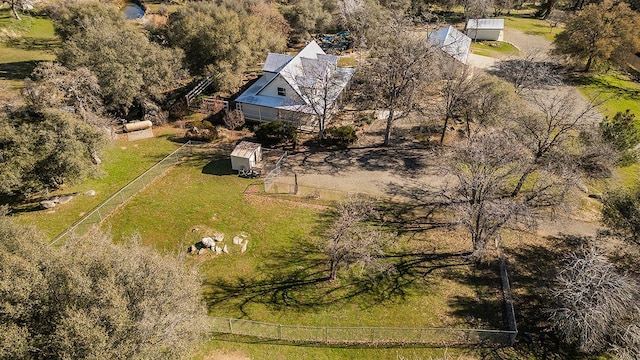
(485, 29)
(246, 155)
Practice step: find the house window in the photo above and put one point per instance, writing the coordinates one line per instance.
(282, 92)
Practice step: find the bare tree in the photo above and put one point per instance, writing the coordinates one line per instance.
(547, 132)
(456, 90)
(16, 5)
(351, 242)
(400, 67)
(492, 102)
(477, 9)
(593, 302)
(322, 84)
(529, 73)
(233, 119)
(555, 18)
(484, 169)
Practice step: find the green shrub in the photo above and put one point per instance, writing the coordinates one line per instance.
(340, 136)
(276, 132)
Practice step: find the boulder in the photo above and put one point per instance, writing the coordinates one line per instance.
(244, 246)
(237, 240)
(64, 199)
(48, 204)
(207, 242)
(202, 251)
(90, 193)
(192, 249)
(218, 250)
(218, 237)
(225, 249)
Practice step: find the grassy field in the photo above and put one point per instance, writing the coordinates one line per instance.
(620, 94)
(282, 278)
(495, 49)
(532, 26)
(23, 43)
(123, 161)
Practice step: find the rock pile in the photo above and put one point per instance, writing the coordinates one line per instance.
(216, 246)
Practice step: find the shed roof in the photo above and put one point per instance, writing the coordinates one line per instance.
(452, 42)
(485, 24)
(245, 149)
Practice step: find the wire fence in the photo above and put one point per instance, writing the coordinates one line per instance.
(104, 209)
(273, 174)
(362, 335)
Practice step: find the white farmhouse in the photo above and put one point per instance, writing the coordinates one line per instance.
(294, 87)
(452, 42)
(485, 29)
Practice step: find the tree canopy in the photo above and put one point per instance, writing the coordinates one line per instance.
(43, 150)
(92, 299)
(222, 40)
(601, 32)
(130, 69)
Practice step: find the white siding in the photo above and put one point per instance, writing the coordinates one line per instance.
(486, 34)
(272, 88)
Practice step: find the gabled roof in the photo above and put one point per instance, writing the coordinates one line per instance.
(452, 42)
(485, 24)
(275, 62)
(303, 70)
(245, 149)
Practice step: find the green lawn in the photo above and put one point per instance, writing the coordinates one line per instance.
(620, 94)
(495, 49)
(532, 26)
(282, 277)
(23, 44)
(122, 162)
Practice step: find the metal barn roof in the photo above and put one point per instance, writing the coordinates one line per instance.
(485, 24)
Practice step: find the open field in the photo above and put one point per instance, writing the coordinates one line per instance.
(123, 161)
(531, 26)
(620, 94)
(22, 45)
(282, 278)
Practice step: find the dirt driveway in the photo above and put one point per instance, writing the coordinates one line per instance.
(408, 170)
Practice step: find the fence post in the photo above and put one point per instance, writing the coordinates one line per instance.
(230, 327)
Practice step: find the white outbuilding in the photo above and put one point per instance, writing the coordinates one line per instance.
(246, 156)
(452, 42)
(485, 29)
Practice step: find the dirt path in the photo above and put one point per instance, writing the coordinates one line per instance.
(408, 171)
(529, 44)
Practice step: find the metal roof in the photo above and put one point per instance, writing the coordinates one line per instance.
(303, 70)
(245, 149)
(452, 42)
(485, 24)
(275, 62)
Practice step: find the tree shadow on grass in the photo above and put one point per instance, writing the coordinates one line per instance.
(297, 278)
(531, 274)
(34, 44)
(17, 70)
(484, 309)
